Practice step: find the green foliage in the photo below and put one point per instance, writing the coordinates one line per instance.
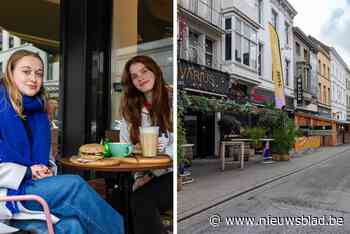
(205, 104)
(255, 134)
(228, 124)
(181, 133)
(284, 137)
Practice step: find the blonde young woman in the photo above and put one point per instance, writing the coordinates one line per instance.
(24, 159)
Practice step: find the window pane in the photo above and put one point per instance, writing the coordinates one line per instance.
(209, 60)
(193, 47)
(208, 46)
(238, 25)
(208, 52)
(253, 35)
(246, 30)
(228, 46)
(260, 56)
(228, 23)
(253, 49)
(238, 48)
(246, 55)
(139, 27)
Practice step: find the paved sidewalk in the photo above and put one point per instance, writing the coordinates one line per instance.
(212, 185)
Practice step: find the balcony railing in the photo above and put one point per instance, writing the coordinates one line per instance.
(203, 10)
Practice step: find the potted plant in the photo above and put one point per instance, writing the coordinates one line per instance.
(284, 139)
(255, 134)
(228, 124)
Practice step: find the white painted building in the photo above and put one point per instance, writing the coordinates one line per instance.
(280, 13)
(243, 23)
(338, 86)
(347, 78)
(247, 50)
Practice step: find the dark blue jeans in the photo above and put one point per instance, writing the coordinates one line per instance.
(79, 207)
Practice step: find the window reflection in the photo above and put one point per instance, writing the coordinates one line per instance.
(140, 27)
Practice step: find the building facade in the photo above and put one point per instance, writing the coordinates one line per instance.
(305, 74)
(242, 24)
(347, 78)
(338, 86)
(199, 69)
(247, 51)
(281, 15)
(324, 78)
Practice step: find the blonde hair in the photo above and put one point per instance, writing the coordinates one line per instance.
(11, 88)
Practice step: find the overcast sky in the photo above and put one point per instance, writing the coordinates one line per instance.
(327, 20)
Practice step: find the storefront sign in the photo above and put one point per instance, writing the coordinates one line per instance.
(199, 77)
(261, 96)
(299, 90)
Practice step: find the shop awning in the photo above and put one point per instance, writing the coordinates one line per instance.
(35, 21)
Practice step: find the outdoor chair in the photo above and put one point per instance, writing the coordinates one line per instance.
(36, 198)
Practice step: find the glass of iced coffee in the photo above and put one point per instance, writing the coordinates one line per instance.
(149, 141)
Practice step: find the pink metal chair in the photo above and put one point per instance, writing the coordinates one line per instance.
(42, 202)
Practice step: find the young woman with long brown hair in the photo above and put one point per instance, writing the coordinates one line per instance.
(145, 103)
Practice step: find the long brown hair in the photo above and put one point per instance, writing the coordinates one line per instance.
(11, 88)
(133, 99)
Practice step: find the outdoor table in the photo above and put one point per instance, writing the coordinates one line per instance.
(238, 141)
(126, 170)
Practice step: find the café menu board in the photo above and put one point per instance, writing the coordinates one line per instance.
(195, 76)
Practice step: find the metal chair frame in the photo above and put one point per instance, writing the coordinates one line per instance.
(38, 199)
